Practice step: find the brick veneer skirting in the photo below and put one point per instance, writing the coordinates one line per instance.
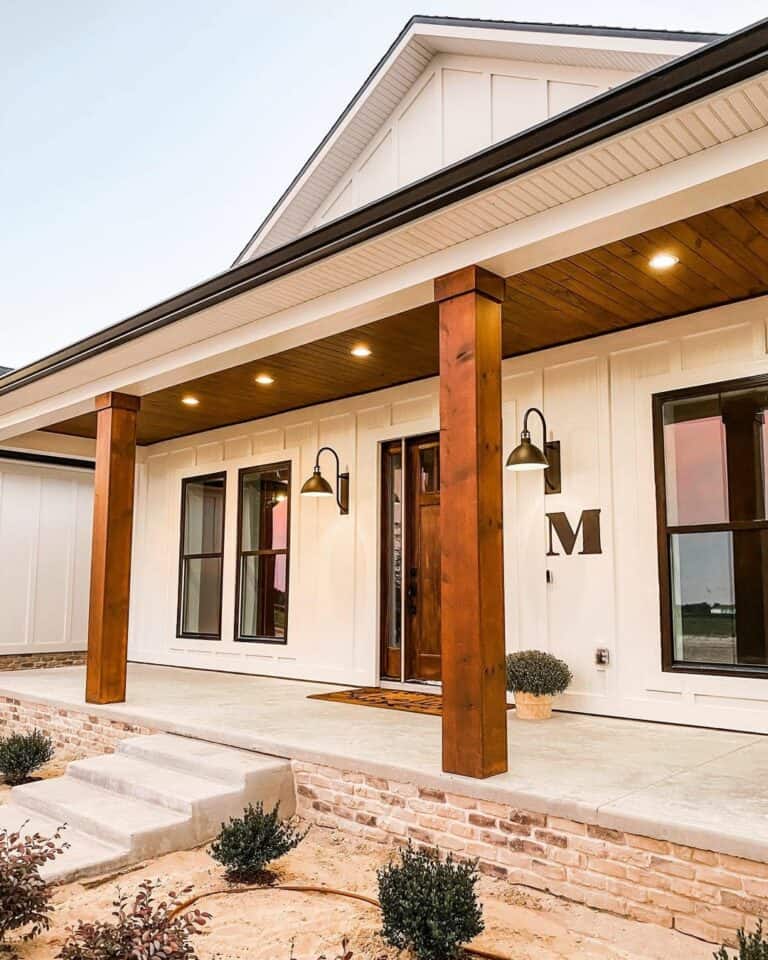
(40, 661)
(701, 893)
(75, 731)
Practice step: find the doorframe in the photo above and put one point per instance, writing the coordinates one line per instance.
(401, 683)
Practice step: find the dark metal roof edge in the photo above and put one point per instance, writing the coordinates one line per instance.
(698, 74)
(46, 459)
(471, 22)
(574, 29)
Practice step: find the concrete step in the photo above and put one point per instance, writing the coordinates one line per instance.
(269, 779)
(145, 829)
(157, 794)
(206, 802)
(85, 856)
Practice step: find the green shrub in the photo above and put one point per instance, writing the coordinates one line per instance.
(23, 753)
(145, 929)
(247, 845)
(429, 905)
(25, 898)
(533, 671)
(752, 946)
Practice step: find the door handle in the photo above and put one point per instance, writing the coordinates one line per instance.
(411, 593)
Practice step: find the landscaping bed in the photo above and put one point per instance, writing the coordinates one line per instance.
(262, 925)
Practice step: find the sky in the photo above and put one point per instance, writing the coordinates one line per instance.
(142, 142)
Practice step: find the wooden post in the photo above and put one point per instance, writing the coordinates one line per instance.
(472, 589)
(111, 547)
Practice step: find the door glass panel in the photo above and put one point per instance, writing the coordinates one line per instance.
(393, 559)
(429, 463)
(264, 594)
(201, 593)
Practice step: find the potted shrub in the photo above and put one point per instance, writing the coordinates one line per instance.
(535, 678)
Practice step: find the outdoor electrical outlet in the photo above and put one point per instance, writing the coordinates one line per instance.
(602, 656)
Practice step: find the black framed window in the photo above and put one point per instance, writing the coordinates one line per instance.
(201, 556)
(263, 550)
(711, 475)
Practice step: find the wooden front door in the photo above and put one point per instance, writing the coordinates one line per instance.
(422, 567)
(411, 559)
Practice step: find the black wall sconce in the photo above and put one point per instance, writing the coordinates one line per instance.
(318, 486)
(527, 456)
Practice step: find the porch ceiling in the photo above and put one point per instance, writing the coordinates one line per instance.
(723, 257)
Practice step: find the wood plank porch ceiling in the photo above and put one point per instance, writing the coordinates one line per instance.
(723, 258)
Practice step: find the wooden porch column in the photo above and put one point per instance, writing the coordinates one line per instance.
(472, 589)
(111, 547)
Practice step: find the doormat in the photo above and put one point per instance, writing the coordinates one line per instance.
(430, 704)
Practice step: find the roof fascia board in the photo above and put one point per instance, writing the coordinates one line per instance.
(670, 87)
(568, 29)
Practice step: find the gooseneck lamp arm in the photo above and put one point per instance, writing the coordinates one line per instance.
(338, 472)
(527, 432)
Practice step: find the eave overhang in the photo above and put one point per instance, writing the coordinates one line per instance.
(705, 72)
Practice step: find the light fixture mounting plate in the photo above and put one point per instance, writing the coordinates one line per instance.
(552, 474)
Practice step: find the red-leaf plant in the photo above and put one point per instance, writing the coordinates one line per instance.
(25, 898)
(142, 929)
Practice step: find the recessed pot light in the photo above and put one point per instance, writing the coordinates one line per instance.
(264, 379)
(361, 351)
(663, 261)
(190, 401)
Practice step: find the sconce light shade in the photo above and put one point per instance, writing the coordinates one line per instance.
(317, 485)
(527, 456)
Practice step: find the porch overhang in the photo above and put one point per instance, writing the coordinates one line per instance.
(687, 137)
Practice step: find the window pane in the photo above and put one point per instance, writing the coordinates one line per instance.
(703, 598)
(204, 515)
(694, 448)
(263, 607)
(264, 506)
(201, 595)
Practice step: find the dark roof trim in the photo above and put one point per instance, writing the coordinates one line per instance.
(676, 84)
(574, 29)
(24, 456)
(519, 26)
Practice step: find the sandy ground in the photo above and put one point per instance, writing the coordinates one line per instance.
(521, 925)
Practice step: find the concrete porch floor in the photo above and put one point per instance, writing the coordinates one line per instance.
(698, 787)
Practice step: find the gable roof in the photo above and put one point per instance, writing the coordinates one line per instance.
(704, 73)
(404, 61)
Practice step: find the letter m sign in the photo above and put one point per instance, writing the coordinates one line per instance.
(588, 526)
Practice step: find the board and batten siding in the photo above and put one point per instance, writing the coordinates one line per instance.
(597, 398)
(459, 105)
(45, 557)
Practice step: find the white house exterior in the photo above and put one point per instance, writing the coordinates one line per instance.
(590, 152)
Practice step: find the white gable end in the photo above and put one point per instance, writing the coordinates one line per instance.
(457, 107)
(442, 94)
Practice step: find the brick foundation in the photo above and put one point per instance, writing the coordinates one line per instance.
(707, 895)
(76, 732)
(41, 661)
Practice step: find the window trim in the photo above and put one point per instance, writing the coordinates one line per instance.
(257, 468)
(180, 633)
(664, 531)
